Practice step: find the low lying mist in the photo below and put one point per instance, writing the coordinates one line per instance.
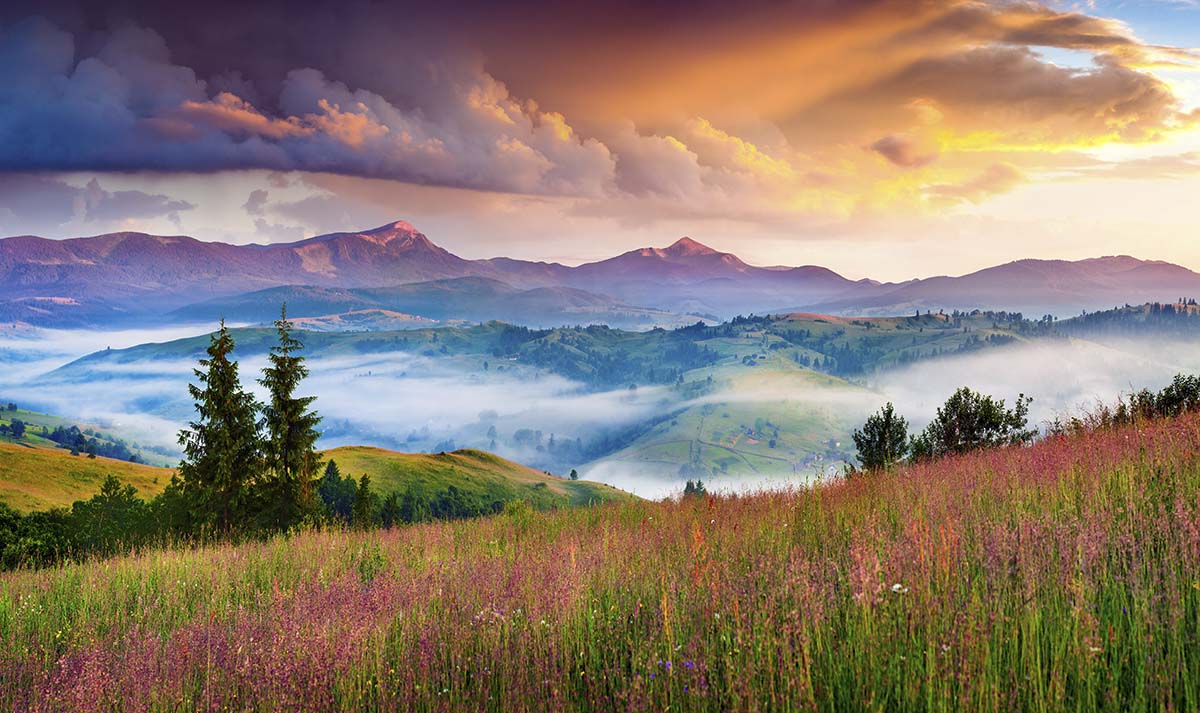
(393, 400)
(1062, 377)
(413, 402)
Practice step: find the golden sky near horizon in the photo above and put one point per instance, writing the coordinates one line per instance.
(883, 139)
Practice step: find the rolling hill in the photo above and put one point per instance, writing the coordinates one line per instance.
(475, 472)
(754, 396)
(39, 478)
(36, 476)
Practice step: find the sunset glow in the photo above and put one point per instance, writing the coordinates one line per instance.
(936, 132)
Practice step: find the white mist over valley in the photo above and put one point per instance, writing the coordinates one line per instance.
(410, 401)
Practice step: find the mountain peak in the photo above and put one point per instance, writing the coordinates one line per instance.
(399, 227)
(397, 235)
(685, 246)
(400, 230)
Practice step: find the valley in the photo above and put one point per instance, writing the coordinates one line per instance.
(753, 402)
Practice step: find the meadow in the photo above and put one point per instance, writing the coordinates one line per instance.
(1059, 576)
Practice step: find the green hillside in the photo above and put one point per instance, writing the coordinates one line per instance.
(38, 428)
(775, 419)
(476, 473)
(605, 357)
(39, 478)
(35, 477)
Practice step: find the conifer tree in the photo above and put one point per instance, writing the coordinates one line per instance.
(336, 492)
(389, 511)
(291, 434)
(364, 504)
(222, 448)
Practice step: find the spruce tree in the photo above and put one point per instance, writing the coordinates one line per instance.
(336, 492)
(291, 434)
(363, 516)
(389, 511)
(222, 449)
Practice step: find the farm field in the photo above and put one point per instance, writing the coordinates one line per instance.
(1060, 576)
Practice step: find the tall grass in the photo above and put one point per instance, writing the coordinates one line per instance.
(1062, 576)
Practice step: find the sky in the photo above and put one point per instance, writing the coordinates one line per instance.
(889, 139)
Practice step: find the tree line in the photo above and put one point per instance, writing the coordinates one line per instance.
(1181, 396)
(966, 422)
(970, 421)
(247, 468)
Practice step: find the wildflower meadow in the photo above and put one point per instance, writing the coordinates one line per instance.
(1059, 576)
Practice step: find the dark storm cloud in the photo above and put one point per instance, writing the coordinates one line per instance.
(118, 100)
(598, 100)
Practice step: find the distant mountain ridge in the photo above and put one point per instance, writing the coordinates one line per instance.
(119, 264)
(134, 277)
(474, 299)
(1059, 287)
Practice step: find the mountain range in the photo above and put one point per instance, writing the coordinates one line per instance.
(135, 277)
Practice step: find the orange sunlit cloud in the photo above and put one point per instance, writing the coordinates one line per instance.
(865, 119)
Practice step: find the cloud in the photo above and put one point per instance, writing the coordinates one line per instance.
(116, 206)
(1166, 166)
(256, 201)
(1005, 98)
(681, 114)
(325, 212)
(902, 151)
(45, 204)
(1030, 24)
(257, 205)
(127, 107)
(997, 178)
(278, 232)
(656, 165)
(1029, 100)
(233, 115)
(720, 149)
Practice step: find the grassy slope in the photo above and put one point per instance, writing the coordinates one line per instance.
(34, 421)
(37, 474)
(1065, 576)
(472, 471)
(890, 337)
(38, 478)
(33, 478)
(733, 437)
